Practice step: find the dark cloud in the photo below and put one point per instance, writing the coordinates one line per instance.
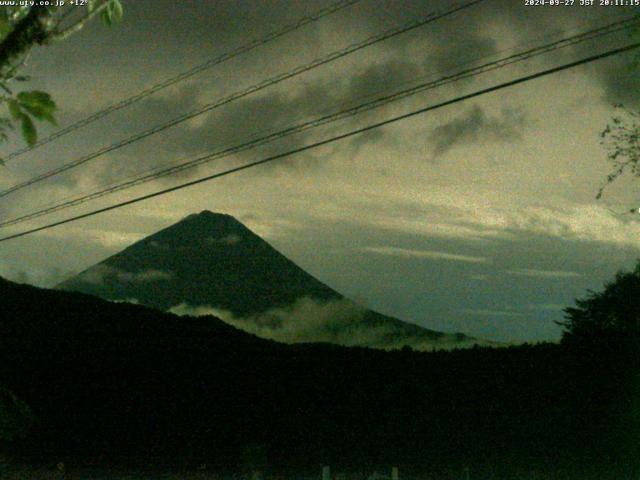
(620, 79)
(368, 138)
(256, 116)
(533, 26)
(467, 47)
(205, 29)
(249, 118)
(476, 126)
(382, 77)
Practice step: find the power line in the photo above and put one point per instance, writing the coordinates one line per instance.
(333, 139)
(332, 117)
(243, 93)
(301, 22)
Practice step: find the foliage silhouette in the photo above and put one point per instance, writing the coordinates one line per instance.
(23, 26)
(620, 136)
(124, 384)
(609, 315)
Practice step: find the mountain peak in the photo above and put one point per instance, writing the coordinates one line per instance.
(209, 215)
(203, 226)
(212, 261)
(206, 258)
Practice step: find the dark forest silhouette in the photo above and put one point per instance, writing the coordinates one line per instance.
(124, 384)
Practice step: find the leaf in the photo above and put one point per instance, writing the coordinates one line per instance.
(14, 109)
(39, 104)
(106, 17)
(36, 97)
(40, 113)
(117, 10)
(112, 12)
(22, 78)
(5, 25)
(29, 130)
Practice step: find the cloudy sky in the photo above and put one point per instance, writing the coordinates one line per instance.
(479, 217)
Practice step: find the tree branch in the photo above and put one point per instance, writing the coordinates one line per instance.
(62, 34)
(27, 32)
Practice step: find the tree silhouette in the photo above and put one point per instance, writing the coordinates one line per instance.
(15, 416)
(613, 313)
(21, 28)
(620, 136)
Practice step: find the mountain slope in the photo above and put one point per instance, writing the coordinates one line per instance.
(204, 259)
(211, 263)
(112, 384)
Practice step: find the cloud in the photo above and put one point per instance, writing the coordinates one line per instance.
(492, 313)
(475, 36)
(256, 116)
(546, 307)
(532, 272)
(105, 237)
(619, 79)
(428, 254)
(580, 222)
(377, 78)
(100, 274)
(468, 46)
(231, 239)
(449, 213)
(42, 276)
(309, 320)
(434, 228)
(479, 277)
(271, 111)
(133, 301)
(306, 320)
(476, 126)
(144, 276)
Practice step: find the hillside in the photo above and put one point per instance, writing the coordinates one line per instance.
(123, 384)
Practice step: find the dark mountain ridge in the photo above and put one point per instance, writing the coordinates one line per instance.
(113, 383)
